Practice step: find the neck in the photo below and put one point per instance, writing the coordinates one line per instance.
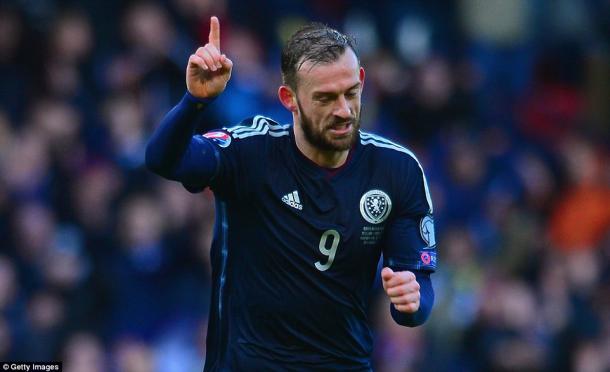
(323, 158)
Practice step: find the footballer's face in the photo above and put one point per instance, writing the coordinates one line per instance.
(328, 99)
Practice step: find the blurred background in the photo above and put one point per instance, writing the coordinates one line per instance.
(506, 103)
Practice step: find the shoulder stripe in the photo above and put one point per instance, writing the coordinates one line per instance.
(254, 125)
(385, 145)
(261, 133)
(366, 135)
(368, 138)
(258, 123)
(261, 125)
(279, 134)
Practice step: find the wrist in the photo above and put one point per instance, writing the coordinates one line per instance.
(197, 102)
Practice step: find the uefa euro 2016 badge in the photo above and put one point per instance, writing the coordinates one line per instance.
(375, 206)
(426, 230)
(425, 258)
(222, 139)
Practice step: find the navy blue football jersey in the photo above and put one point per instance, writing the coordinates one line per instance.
(296, 246)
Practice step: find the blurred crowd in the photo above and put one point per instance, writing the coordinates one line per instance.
(506, 103)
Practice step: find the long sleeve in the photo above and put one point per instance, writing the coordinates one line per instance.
(410, 242)
(174, 152)
(425, 303)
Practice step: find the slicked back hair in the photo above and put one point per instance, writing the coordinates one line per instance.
(314, 42)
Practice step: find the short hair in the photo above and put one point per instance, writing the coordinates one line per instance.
(315, 42)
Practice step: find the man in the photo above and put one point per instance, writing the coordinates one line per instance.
(304, 212)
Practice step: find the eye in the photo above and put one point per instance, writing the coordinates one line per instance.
(351, 94)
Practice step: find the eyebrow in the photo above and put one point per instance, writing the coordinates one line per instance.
(331, 94)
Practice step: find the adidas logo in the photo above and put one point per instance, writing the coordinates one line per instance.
(292, 199)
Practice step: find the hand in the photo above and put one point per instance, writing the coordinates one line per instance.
(402, 288)
(208, 70)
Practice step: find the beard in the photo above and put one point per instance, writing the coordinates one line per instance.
(322, 139)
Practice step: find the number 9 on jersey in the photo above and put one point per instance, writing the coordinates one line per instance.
(329, 252)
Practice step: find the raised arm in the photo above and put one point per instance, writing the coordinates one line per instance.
(173, 152)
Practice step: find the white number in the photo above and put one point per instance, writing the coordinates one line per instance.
(328, 252)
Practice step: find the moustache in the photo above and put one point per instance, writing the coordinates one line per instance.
(340, 123)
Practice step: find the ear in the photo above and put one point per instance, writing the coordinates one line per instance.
(287, 98)
(361, 78)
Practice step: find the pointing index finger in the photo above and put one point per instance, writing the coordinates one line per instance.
(214, 37)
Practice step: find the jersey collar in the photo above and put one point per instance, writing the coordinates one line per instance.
(317, 170)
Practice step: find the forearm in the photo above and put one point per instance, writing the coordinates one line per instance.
(426, 303)
(170, 141)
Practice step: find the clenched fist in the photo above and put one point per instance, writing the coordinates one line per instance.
(402, 288)
(208, 70)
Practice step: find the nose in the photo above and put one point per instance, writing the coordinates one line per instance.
(342, 109)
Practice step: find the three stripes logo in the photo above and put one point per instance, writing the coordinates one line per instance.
(260, 126)
(292, 199)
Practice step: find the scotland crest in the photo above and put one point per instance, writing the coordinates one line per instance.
(375, 206)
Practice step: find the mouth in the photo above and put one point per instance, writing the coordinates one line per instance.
(341, 129)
